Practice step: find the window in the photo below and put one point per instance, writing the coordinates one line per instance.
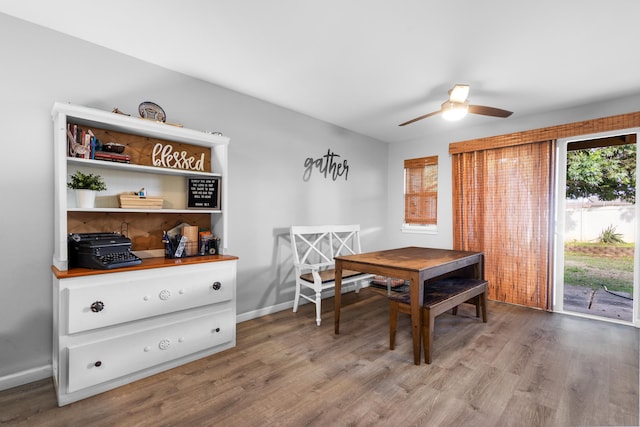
(421, 194)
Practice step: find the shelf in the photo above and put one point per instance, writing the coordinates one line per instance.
(137, 168)
(159, 211)
(147, 263)
(137, 126)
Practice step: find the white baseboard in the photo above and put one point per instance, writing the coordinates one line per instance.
(286, 305)
(25, 377)
(263, 311)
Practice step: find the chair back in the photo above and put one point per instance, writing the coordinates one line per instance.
(318, 245)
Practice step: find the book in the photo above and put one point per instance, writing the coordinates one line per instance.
(86, 143)
(109, 155)
(113, 157)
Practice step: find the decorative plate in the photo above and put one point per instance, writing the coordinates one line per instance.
(151, 111)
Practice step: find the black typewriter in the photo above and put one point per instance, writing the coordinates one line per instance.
(101, 250)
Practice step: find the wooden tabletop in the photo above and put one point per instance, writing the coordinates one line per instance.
(409, 258)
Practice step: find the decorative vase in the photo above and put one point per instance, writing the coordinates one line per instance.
(85, 199)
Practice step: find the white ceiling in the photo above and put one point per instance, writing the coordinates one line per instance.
(368, 65)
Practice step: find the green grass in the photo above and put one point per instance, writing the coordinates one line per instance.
(594, 271)
(597, 244)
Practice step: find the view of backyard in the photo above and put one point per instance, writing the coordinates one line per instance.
(601, 196)
(596, 270)
(598, 279)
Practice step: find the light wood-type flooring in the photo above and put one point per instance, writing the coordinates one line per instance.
(523, 368)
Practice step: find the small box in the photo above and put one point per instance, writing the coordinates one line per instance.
(133, 201)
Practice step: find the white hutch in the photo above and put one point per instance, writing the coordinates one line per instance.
(112, 327)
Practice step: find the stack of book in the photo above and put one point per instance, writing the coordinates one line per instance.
(112, 157)
(83, 143)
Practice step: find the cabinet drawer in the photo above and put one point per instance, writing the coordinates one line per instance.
(100, 361)
(109, 299)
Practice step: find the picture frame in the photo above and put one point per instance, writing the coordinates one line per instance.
(203, 193)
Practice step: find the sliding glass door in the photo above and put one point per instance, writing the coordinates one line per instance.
(597, 227)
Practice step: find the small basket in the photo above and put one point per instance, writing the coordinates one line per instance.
(133, 201)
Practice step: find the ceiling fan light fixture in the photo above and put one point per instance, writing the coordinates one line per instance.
(457, 106)
(453, 111)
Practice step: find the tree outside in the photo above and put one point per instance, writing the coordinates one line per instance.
(608, 173)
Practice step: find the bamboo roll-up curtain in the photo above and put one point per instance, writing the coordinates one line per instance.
(421, 190)
(503, 207)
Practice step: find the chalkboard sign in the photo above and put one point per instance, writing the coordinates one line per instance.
(204, 193)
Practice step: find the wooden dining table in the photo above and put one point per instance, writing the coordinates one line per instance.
(417, 265)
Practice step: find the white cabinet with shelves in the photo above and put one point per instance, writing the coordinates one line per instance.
(139, 135)
(111, 327)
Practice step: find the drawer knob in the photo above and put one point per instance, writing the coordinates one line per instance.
(217, 329)
(97, 306)
(165, 294)
(216, 286)
(164, 344)
(97, 364)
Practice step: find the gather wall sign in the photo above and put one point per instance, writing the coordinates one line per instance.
(329, 165)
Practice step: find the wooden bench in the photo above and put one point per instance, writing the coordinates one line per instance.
(313, 249)
(439, 297)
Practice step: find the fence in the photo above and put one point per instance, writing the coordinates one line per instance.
(585, 221)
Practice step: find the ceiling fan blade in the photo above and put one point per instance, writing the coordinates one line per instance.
(459, 93)
(420, 118)
(489, 111)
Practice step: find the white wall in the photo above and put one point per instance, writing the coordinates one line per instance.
(268, 148)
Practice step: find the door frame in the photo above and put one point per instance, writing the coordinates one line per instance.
(559, 224)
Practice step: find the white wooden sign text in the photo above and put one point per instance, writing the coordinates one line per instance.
(164, 156)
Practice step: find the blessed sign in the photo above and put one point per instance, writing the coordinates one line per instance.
(204, 193)
(163, 155)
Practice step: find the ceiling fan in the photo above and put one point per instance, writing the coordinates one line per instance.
(457, 106)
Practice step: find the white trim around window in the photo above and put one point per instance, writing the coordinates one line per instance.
(419, 228)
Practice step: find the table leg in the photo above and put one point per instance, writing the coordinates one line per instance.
(338, 295)
(415, 297)
(481, 268)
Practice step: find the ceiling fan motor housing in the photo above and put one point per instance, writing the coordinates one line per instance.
(452, 110)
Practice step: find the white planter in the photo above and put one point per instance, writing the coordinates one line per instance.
(85, 199)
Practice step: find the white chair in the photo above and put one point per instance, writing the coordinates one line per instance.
(313, 250)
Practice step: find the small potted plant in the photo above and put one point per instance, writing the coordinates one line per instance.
(86, 186)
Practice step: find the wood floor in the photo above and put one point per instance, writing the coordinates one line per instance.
(523, 368)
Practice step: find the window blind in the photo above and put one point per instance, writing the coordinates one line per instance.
(421, 190)
(502, 207)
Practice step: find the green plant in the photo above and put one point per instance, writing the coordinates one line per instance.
(82, 181)
(609, 235)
